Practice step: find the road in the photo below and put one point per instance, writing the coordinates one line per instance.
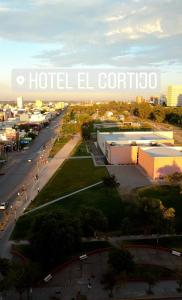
(19, 167)
(19, 172)
(46, 171)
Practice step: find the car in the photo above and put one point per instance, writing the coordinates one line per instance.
(3, 205)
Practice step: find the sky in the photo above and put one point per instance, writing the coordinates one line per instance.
(134, 34)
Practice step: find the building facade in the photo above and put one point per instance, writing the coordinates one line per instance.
(174, 95)
(154, 152)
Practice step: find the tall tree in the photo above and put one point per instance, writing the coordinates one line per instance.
(92, 220)
(55, 236)
(121, 260)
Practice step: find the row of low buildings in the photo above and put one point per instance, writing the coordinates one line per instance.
(154, 152)
(15, 118)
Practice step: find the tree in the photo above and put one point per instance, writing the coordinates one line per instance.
(142, 110)
(168, 213)
(151, 279)
(175, 179)
(158, 114)
(4, 266)
(5, 280)
(25, 276)
(55, 235)
(110, 181)
(109, 280)
(179, 279)
(121, 260)
(149, 216)
(92, 220)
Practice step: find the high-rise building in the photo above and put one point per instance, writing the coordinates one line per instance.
(20, 102)
(38, 103)
(59, 105)
(174, 95)
(140, 99)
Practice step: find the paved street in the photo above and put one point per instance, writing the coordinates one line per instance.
(20, 172)
(18, 167)
(45, 173)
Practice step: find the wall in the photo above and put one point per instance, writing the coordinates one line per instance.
(157, 167)
(167, 165)
(101, 142)
(122, 154)
(146, 162)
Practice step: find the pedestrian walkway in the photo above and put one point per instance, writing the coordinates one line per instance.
(53, 165)
(45, 174)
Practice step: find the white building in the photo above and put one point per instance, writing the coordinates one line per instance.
(20, 102)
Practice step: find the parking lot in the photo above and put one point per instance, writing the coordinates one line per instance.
(129, 177)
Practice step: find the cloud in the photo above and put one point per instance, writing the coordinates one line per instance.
(97, 32)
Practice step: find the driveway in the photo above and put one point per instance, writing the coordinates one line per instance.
(129, 177)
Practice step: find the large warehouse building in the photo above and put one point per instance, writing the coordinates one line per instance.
(153, 151)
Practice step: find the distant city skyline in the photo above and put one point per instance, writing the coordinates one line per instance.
(90, 33)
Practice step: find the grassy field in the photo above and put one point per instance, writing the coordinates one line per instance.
(59, 143)
(106, 199)
(170, 197)
(81, 150)
(73, 175)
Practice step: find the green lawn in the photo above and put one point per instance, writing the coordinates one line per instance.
(170, 197)
(106, 199)
(59, 143)
(81, 150)
(73, 175)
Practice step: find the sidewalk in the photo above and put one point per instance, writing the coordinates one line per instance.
(46, 172)
(130, 290)
(52, 166)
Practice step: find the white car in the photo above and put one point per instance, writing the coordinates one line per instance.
(3, 205)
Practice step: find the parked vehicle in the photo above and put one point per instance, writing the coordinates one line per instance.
(3, 205)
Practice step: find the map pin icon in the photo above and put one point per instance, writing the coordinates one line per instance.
(20, 80)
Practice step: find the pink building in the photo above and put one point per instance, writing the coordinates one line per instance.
(160, 161)
(122, 147)
(152, 151)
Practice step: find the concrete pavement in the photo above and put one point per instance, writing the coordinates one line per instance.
(129, 177)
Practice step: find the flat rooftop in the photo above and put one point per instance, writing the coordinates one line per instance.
(120, 137)
(162, 151)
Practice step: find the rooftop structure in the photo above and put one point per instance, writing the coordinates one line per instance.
(163, 151)
(117, 139)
